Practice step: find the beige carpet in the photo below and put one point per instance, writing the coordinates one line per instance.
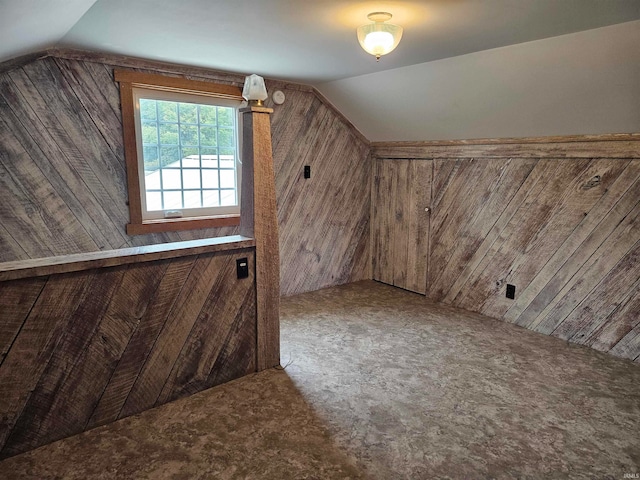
(381, 384)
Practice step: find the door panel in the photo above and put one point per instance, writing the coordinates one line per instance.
(382, 208)
(400, 223)
(402, 210)
(419, 220)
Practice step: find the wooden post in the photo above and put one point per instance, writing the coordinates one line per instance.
(258, 219)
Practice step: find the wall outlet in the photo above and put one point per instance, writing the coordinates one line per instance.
(511, 291)
(242, 267)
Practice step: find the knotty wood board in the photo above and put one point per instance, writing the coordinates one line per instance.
(103, 343)
(603, 300)
(49, 412)
(61, 137)
(536, 218)
(613, 250)
(521, 236)
(382, 222)
(419, 226)
(141, 343)
(16, 300)
(400, 219)
(619, 326)
(33, 347)
(579, 246)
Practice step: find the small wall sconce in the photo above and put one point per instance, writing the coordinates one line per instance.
(379, 38)
(254, 90)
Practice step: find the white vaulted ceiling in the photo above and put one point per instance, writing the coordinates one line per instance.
(28, 26)
(307, 41)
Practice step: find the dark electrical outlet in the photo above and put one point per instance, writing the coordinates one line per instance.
(307, 171)
(511, 291)
(242, 266)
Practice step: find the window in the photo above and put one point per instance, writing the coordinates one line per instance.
(182, 151)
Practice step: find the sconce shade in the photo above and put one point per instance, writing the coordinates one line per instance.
(254, 89)
(379, 38)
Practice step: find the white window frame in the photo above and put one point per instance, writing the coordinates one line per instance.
(154, 94)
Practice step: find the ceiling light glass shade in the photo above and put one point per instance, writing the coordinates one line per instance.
(379, 38)
(254, 90)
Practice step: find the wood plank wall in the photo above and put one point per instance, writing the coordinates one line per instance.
(559, 220)
(86, 348)
(63, 183)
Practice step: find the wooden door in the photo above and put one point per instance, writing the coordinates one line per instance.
(401, 196)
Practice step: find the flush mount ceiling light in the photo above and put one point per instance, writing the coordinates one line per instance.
(379, 38)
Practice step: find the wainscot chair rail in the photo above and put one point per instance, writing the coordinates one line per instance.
(39, 267)
(90, 338)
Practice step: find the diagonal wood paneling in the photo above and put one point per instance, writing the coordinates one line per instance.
(97, 345)
(63, 184)
(323, 221)
(565, 231)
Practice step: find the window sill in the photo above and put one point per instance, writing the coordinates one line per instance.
(177, 224)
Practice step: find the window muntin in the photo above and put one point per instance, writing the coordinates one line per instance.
(188, 154)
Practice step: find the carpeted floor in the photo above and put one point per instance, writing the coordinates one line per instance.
(381, 384)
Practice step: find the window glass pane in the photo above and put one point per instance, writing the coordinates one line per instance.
(169, 156)
(168, 111)
(172, 200)
(225, 116)
(189, 153)
(208, 114)
(188, 135)
(225, 137)
(191, 161)
(152, 181)
(150, 157)
(149, 132)
(169, 133)
(209, 178)
(227, 179)
(228, 197)
(227, 158)
(192, 199)
(208, 136)
(147, 109)
(171, 178)
(209, 157)
(154, 201)
(191, 178)
(210, 198)
(188, 113)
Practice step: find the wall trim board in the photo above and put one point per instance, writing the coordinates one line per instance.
(18, 62)
(622, 145)
(167, 68)
(141, 63)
